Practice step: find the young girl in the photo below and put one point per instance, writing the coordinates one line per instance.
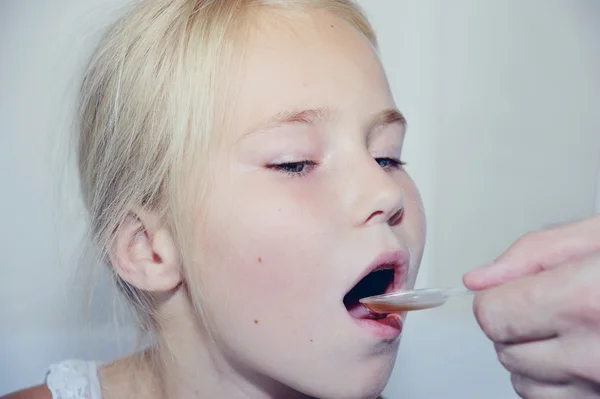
(241, 164)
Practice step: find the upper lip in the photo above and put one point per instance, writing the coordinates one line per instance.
(396, 260)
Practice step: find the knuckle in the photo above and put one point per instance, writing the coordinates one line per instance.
(527, 243)
(532, 238)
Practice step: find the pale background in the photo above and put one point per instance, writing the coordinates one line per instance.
(503, 101)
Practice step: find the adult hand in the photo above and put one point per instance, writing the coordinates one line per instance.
(540, 305)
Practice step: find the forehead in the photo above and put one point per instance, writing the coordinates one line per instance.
(313, 60)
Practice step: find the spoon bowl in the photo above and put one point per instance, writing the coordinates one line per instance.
(410, 300)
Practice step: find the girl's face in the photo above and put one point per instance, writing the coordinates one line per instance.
(306, 204)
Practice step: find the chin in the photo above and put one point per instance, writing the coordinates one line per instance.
(375, 383)
(371, 378)
(350, 390)
(366, 381)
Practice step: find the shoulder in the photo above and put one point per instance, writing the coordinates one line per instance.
(37, 392)
(73, 379)
(70, 379)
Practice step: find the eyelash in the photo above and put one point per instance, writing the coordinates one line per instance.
(288, 167)
(394, 163)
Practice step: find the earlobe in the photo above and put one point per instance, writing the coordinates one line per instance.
(145, 255)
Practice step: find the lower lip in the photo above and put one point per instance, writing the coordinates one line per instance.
(389, 327)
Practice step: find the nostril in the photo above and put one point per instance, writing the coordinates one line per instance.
(376, 214)
(392, 218)
(386, 205)
(396, 217)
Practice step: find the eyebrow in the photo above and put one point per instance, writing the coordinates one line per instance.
(387, 117)
(292, 117)
(313, 116)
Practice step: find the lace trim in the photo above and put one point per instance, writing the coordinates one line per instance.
(73, 379)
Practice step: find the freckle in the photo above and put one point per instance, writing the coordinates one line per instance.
(255, 321)
(332, 26)
(311, 340)
(259, 259)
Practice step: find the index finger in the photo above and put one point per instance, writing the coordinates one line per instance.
(538, 251)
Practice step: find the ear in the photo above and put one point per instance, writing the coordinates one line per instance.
(145, 255)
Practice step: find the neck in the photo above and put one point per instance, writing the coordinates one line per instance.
(190, 365)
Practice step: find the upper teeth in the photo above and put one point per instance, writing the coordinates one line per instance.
(383, 267)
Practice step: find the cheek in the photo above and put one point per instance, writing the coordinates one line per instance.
(267, 258)
(414, 222)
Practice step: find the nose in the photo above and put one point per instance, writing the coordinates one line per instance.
(379, 197)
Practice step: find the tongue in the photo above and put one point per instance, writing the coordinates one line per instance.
(360, 311)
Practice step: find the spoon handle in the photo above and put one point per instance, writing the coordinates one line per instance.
(459, 291)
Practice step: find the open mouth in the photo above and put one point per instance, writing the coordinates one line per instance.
(377, 282)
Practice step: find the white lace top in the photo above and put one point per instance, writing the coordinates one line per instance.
(74, 379)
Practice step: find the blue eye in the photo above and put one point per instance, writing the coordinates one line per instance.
(295, 169)
(389, 163)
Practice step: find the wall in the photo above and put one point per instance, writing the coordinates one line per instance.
(598, 192)
(500, 98)
(519, 137)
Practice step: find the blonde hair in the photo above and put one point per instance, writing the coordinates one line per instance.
(151, 103)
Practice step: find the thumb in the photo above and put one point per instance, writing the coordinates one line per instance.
(536, 252)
